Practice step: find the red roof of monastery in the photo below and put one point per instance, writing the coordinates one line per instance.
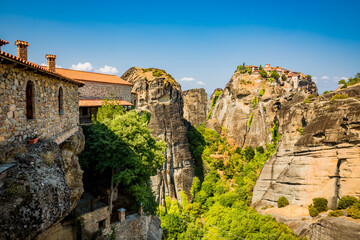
(35, 66)
(3, 42)
(99, 102)
(92, 77)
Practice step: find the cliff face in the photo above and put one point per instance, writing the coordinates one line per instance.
(248, 106)
(195, 106)
(161, 96)
(41, 188)
(321, 161)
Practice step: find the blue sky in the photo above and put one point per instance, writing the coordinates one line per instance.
(199, 42)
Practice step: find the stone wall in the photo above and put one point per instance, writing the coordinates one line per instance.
(105, 90)
(47, 122)
(91, 221)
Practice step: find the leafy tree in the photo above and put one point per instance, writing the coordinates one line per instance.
(275, 74)
(263, 73)
(249, 153)
(195, 187)
(283, 77)
(260, 149)
(342, 81)
(121, 142)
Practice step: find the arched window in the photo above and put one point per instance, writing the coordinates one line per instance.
(29, 100)
(61, 101)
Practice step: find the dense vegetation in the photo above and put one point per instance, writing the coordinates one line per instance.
(222, 192)
(120, 144)
(351, 81)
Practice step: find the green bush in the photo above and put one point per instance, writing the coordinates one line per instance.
(282, 202)
(300, 130)
(275, 74)
(321, 204)
(354, 211)
(346, 202)
(313, 211)
(342, 81)
(262, 92)
(283, 77)
(260, 149)
(327, 92)
(249, 153)
(309, 99)
(338, 96)
(263, 73)
(336, 213)
(250, 120)
(254, 102)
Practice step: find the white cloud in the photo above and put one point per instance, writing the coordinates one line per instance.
(187, 79)
(324, 77)
(83, 66)
(200, 83)
(314, 78)
(108, 70)
(345, 78)
(45, 65)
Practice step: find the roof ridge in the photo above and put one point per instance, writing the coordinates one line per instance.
(89, 72)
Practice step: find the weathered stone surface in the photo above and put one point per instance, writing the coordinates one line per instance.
(243, 98)
(162, 97)
(195, 106)
(321, 162)
(139, 227)
(39, 190)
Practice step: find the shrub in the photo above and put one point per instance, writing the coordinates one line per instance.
(249, 153)
(282, 202)
(313, 211)
(260, 149)
(336, 213)
(263, 73)
(300, 130)
(354, 211)
(275, 74)
(327, 92)
(342, 81)
(262, 91)
(338, 96)
(283, 77)
(250, 120)
(309, 99)
(254, 102)
(346, 202)
(321, 204)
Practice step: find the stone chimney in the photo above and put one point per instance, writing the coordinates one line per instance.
(22, 49)
(51, 62)
(2, 43)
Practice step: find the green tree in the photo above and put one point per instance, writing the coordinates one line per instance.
(195, 187)
(275, 74)
(121, 142)
(263, 73)
(283, 77)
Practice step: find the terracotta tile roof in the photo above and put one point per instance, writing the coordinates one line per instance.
(291, 74)
(35, 66)
(133, 92)
(91, 76)
(3, 42)
(99, 102)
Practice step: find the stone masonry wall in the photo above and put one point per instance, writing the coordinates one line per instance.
(47, 122)
(103, 90)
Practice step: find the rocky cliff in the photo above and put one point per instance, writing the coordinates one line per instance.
(318, 154)
(195, 106)
(161, 95)
(41, 188)
(248, 106)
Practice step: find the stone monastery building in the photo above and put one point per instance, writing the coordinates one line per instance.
(44, 101)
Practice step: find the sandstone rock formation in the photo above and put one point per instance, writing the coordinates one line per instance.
(161, 95)
(323, 160)
(41, 188)
(249, 104)
(195, 106)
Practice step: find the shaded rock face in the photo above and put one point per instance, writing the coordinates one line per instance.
(246, 97)
(323, 160)
(139, 227)
(39, 190)
(195, 106)
(162, 97)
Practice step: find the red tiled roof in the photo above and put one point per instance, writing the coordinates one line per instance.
(99, 102)
(3, 42)
(291, 74)
(92, 77)
(15, 59)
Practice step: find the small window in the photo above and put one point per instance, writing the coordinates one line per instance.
(61, 101)
(84, 111)
(30, 100)
(102, 224)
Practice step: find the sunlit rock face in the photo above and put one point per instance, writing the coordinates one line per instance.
(323, 160)
(195, 106)
(162, 97)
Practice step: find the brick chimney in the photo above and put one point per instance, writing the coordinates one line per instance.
(22, 49)
(51, 62)
(2, 43)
